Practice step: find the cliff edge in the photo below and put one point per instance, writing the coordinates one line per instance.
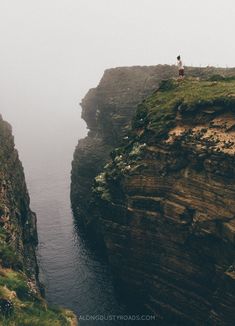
(21, 302)
(165, 203)
(108, 110)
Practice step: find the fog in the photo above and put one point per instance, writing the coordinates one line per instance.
(53, 51)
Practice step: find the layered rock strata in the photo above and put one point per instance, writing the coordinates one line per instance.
(108, 111)
(165, 203)
(21, 302)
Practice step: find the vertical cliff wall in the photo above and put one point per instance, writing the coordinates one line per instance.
(108, 110)
(20, 300)
(165, 204)
(17, 220)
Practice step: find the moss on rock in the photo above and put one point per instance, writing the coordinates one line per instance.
(158, 112)
(25, 304)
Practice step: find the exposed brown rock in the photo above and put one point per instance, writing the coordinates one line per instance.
(165, 204)
(108, 110)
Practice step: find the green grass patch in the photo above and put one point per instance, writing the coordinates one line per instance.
(16, 281)
(34, 315)
(28, 307)
(20, 303)
(157, 113)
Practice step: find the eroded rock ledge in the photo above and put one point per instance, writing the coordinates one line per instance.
(165, 203)
(108, 110)
(21, 302)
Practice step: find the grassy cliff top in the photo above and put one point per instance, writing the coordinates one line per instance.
(191, 95)
(189, 104)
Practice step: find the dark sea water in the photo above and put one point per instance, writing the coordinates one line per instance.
(74, 273)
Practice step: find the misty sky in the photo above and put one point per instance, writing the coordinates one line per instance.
(53, 51)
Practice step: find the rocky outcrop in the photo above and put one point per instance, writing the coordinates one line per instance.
(108, 111)
(165, 203)
(16, 218)
(21, 302)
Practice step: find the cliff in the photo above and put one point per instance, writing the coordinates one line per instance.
(108, 110)
(20, 300)
(165, 203)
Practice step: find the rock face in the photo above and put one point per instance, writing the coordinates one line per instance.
(20, 300)
(165, 204)
(16, 218)
(108, 111)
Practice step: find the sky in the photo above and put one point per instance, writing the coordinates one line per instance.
(53, 51)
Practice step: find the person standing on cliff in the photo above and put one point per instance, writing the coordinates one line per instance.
(180, 67)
